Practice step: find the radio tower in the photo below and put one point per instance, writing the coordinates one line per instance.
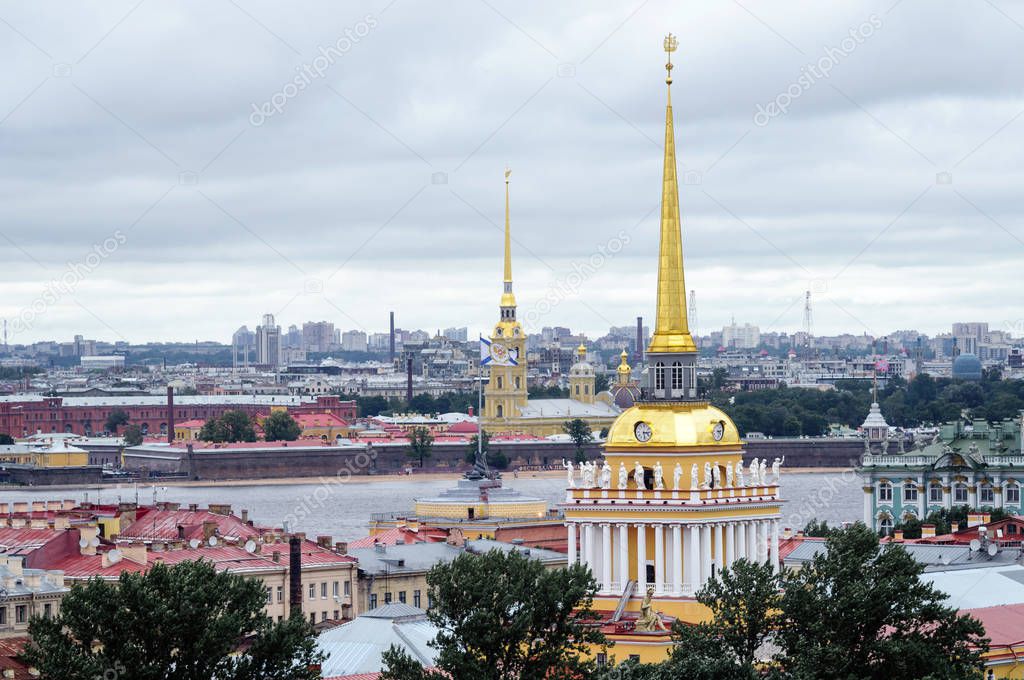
(807, 323)
(693, 316)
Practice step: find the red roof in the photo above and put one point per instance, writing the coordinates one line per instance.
(10, 666)
(318, 420)
(162, 525)
(1004, 624)
(406, 534)
(464, 427)
(23, 541)
(191, 423)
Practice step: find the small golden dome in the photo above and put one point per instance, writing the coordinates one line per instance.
(673, 424)
(623, 366)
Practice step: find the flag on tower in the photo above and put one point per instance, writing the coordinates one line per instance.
(496, 354)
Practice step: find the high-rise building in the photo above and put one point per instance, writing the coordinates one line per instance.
(243, 345)
(355, 341)
(268, 342)
(317, 336)
(457, 334)
(293, 338)
(735, 336)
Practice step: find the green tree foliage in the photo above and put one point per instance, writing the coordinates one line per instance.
(816, 529)
(505, 616)
(279, 426)
(132, 435)
(421, 444)
(6, 439)
(171, 623)
(449, 402)
(860, 611)
(580, 433)
(497, 460)
(470, 456)
(116, 420)
(232, 426)
(551, 392)
(600, 383)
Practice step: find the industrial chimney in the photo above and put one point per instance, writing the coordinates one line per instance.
(295, 575)
(170, 414)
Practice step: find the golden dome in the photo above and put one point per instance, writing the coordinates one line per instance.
(673, 424)
(623, 367)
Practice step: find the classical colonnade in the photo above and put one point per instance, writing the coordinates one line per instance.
(684, 554)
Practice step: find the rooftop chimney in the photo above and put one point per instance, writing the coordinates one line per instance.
(927, 531)
(295, 575)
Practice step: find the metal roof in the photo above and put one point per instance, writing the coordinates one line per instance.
(357, 646)
(983, 586)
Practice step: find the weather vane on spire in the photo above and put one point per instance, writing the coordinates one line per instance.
(508, 171)
(671, 43)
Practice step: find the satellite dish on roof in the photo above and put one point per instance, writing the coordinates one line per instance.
(212, 541)
(83, 542)
(250, 546)
(975, 545)
(94, 542)
(992, 549)
(194, 543)
(114, 556)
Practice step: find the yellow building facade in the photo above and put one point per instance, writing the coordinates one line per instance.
(673, 504)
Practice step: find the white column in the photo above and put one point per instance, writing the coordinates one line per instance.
(677, 560)
(947, 492)
(641, 558)
(659, 558)
(730, 544)
(741, 540)
(762, 541)
(922, 498)
(588, 534)
(998, 489)
(752, 541)
(572, 542)
(869, 495)
(719, 550)
(623, 569)
(705, 554)
(775, 545)
(606, 557)
(692, 554)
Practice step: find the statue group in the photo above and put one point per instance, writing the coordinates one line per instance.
(716, 476)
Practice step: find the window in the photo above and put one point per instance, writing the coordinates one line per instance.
(334, 590)
(347, 589)
(1013, 493)
(401, 596)
(659, 376)
(885, 492)
(312, 591)
(987, 495)
(312, 618)
(960, 493)
(323, 616)
(885, 525)
(430, 601)
(387, 598)
(500, 383)
(3, 615)
(602, 658)
(416, 598)
(517, 382)
(373, 600)
(577, 390)
(280, 593)
(323, 590)
(21, 613)
(677, 376)
(47, 610)
(909, 492)
(270, 595)
(335, 612)
(934, 492)
(500, 411)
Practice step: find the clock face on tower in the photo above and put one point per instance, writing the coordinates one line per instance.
(718, 431)
(642, 431)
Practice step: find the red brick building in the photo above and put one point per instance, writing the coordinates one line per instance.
(26, 414)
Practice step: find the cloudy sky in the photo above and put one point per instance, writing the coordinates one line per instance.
(171, 171)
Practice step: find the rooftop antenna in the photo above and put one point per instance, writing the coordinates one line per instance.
(807, 322)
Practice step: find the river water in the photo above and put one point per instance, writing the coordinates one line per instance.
(342, 509)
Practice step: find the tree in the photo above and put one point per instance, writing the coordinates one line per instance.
(580, 433)
(505, 616)
(115, 420)
(860, 611)
(471, 448)
(421, 443)
(176, 623)
(132, 435)
(279, 426)
(6, 439)
(231, 426)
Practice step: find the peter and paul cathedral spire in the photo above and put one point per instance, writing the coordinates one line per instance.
(672, 353)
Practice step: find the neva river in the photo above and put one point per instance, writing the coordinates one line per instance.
(342, 510)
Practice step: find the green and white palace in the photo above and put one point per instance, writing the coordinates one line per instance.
(978, 465)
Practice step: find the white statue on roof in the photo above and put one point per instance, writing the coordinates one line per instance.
(569, 477)
(694, 482)
(606, 476)
(739, 474)
(638, 475)
(677, 475)
(659, 479)
(623, 476)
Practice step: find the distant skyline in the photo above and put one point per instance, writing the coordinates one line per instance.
(173, 172)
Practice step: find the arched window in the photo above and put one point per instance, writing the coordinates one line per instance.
(586, 389)
(145, 428)
(501, 411)
(935, 492)
(884, 492)
(960, 493)
(517, 382)
(885, 525)
(659, 376)
(500, 382)
(987, 495)
(1013, 493)
(909, 492)
(677, 376)
(577, 390)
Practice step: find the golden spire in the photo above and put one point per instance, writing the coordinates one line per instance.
(671, 331)
(507, 298)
